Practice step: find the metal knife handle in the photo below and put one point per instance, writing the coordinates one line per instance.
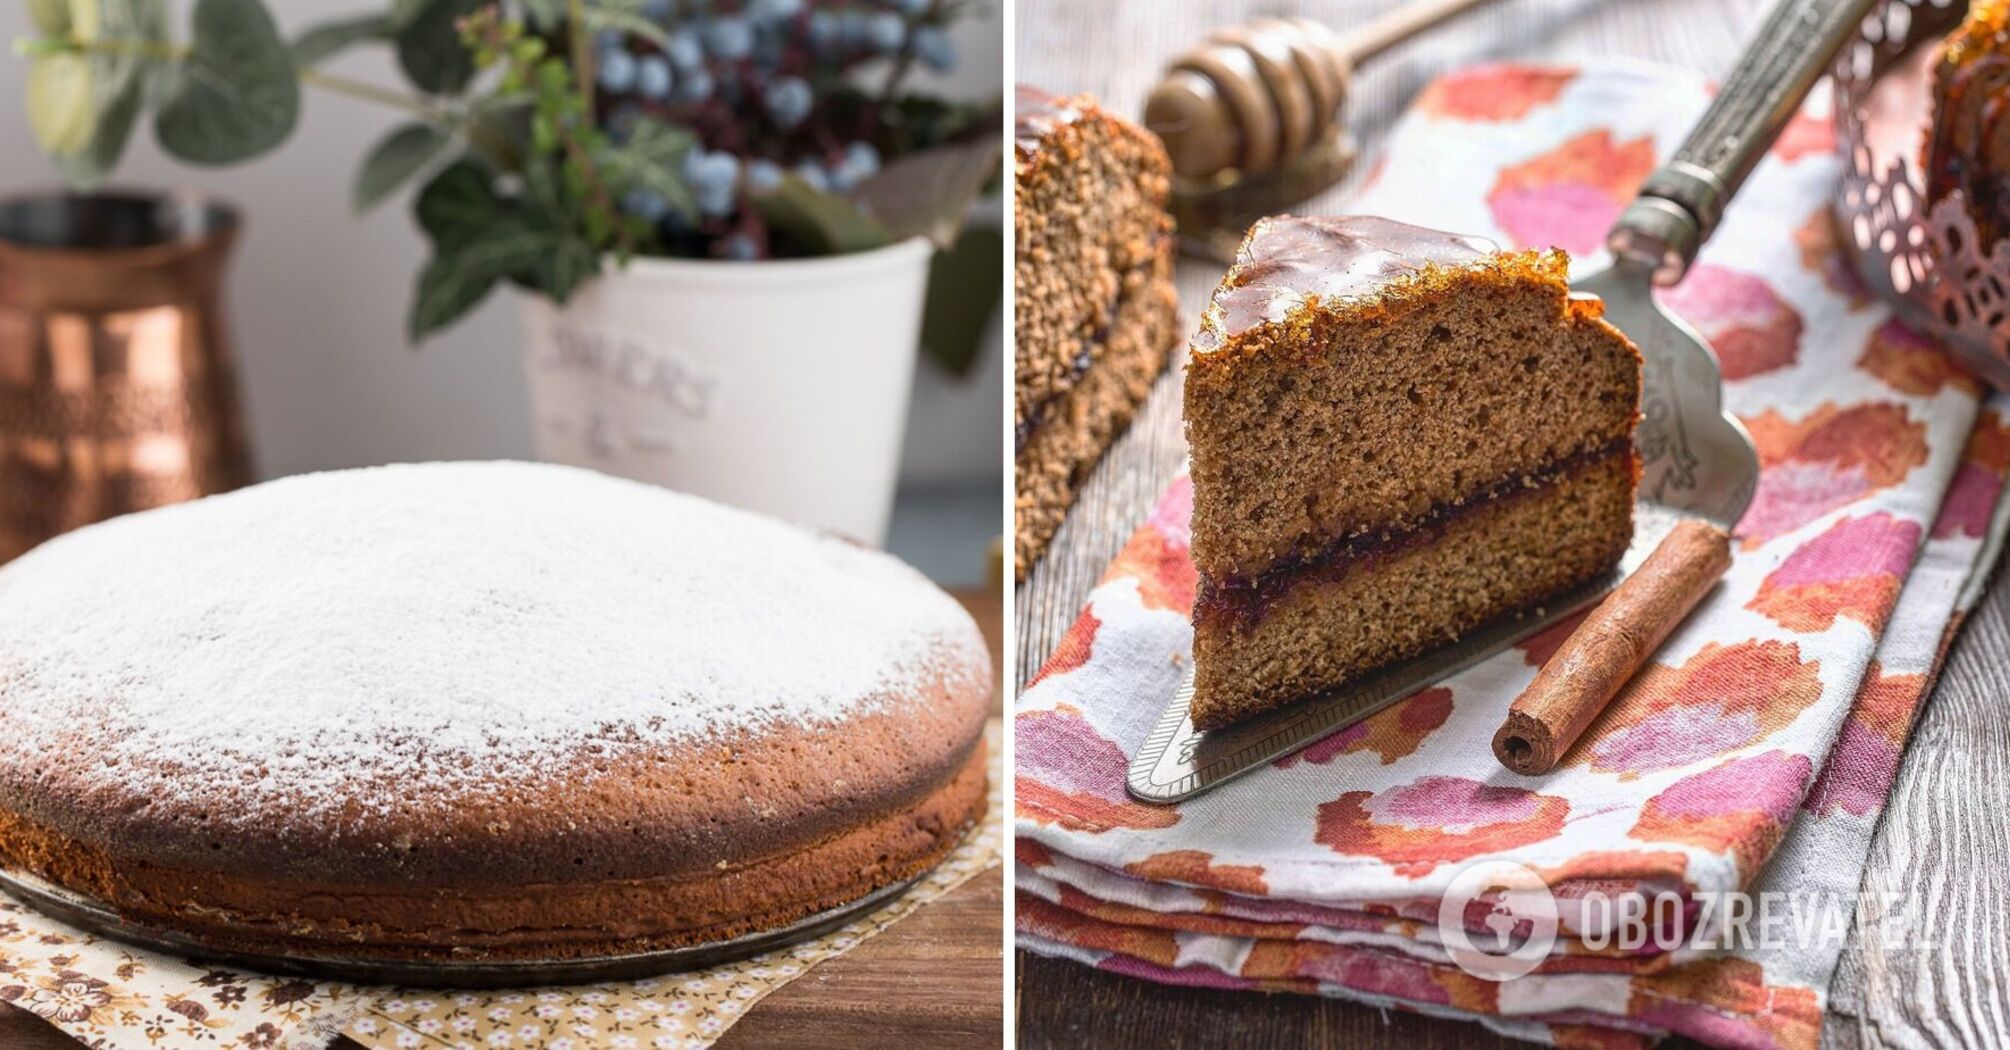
(1680, 204)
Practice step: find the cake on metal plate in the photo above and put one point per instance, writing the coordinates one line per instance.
(1397, 435)
(479, 711)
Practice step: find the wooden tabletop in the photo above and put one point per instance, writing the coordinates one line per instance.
(934, 979)
(1943, 842)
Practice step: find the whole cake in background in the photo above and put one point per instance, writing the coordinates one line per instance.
(1096, 314)
(1968, 148)
(1396, 436)
(478, 711)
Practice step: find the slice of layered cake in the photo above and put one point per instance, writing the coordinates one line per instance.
(1396, 436)
(1095, 316)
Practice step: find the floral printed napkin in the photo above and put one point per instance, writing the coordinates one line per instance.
(111, 996)
(1753, 754)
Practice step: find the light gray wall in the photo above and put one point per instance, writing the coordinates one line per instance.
(318, 295)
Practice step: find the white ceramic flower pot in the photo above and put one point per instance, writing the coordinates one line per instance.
(779, 386)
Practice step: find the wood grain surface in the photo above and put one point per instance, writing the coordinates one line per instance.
(935, 979)
(1944, 842)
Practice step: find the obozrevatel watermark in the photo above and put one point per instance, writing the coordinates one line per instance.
(1499, 920)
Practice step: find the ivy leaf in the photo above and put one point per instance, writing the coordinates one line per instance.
(456, 204)
(459, 277)
(559, 271)
(650, 159)
(819, 223)
(237, 95)
(59, 102)
(480, 238)
(398, 157)
(429, 44)
(965, 284)
(322, 42)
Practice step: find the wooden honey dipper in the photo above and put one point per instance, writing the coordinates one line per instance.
(1254, 98)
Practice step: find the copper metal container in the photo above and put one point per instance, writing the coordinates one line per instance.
(117, 391)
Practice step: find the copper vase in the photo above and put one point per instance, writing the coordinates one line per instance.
(117, 391)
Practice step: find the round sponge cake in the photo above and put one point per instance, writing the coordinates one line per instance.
(478, 711)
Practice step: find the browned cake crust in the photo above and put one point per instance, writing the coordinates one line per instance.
(1095, 311)
(655, 851)
(1396, 436)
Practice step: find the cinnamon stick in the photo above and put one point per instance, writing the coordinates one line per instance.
(1598, 658)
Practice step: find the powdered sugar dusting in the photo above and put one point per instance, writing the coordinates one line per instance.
(406, 630)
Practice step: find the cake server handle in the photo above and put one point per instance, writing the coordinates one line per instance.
(1680, 204)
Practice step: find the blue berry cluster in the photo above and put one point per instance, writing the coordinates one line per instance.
(753, 80)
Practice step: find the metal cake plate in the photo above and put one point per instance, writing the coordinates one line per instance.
(93, 916)
(1178, 762)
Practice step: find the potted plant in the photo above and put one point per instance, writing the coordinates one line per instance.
(723, 213)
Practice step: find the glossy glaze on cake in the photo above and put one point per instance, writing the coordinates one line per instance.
(1396, 435)
(483, 710)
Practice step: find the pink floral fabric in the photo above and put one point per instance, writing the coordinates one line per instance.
(1753, 753)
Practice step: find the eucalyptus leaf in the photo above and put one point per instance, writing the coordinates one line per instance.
(51, 17)
(965, 285)
(819, 223)
(324, 41)
(398, 157)
(429, 45)
(237, 94)
(86, 20)
(114, 122)
(119, 83)
(929, 194)
(632, 23)
(59, 102)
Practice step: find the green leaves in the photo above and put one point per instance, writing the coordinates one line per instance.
(322, 42)
(428, 40)
(929, 193)
(817, 223)
(59, 102)
(396, 158)
(965, 284)
(51, 17)
(649, 160)
(237, 95)
(82, 101)
(481, 238)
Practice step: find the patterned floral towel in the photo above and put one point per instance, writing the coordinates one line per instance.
(114, 997)
(1752, 755)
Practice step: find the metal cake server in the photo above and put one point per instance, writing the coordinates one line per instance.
(1697, 460)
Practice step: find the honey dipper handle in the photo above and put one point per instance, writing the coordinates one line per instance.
(1365, 42)
(1680, 204)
